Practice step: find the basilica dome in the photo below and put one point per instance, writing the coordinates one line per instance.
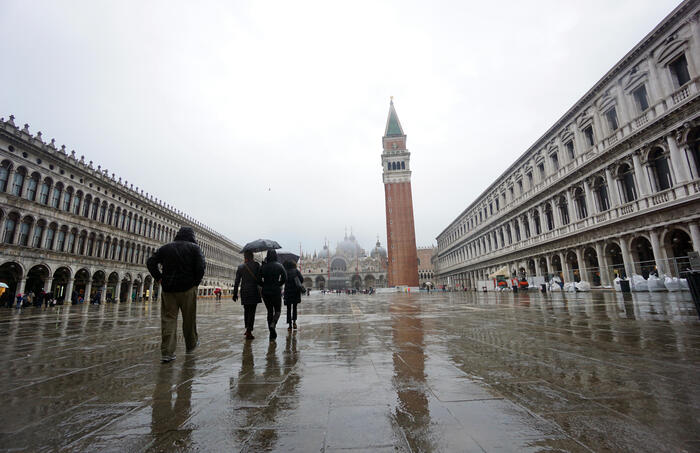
(349, 247)
(324, 252)
(378, 251)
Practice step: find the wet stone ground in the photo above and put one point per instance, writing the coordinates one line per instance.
(389, 372)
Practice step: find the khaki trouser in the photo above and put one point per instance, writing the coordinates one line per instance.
(185, 301)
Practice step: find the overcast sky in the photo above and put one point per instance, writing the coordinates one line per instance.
(264, 119)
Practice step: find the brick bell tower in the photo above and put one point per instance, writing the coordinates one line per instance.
(400, 231)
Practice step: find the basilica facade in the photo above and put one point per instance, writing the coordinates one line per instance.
(68, 225)
(347, 267)
(611, 189)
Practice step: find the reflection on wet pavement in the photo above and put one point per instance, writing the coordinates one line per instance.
(390, 372)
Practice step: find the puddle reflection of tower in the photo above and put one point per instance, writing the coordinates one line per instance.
(413, 410)
(400, 229)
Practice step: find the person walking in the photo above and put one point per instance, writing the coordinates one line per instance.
(272, 277)
(248, 279)
(293, 289)
(183, 268)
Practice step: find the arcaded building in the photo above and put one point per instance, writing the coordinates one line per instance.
(398, 197)
(66, 225)
(612, 188)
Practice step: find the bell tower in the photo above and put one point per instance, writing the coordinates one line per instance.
(400, 230)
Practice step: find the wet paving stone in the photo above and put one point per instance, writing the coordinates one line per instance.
(468, 372)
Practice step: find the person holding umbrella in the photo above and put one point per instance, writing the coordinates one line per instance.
(248, 278)
(273, 277)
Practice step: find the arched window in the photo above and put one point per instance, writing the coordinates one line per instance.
(61, 239)
(660, 169)
(90, 244)
(50, 234)
(86, 206)
(70, 245)
(600, 191)
(393, 165)
(4, 175)
(564, 210)
(122, 219)
(10, 226)
(75, 209)
(38, 231)
(536, 222)
(627, 187)
(388, 166)
(580, 202)
(103, 212)
(24, 232)
(32, 185)
(18, 182)
(67, 199)
(549, 217)
(56, 195)
(45, 190)
(80, 250)
(403, 165)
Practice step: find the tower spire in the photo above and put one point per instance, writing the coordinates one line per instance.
(393, 125)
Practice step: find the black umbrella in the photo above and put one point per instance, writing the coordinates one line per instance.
(283, 257)
(260, 245)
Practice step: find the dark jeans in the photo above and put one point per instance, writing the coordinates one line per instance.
(249, 316)
(291, 313)
(273, 303)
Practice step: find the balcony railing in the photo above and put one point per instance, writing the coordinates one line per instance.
(681, 94)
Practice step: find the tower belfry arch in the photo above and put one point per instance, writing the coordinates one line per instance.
(400, 228)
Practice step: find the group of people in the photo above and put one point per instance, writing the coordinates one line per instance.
(29, 299)
(179, 268)
(263, 283)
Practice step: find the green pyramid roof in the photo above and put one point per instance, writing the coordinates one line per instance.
(393, 126)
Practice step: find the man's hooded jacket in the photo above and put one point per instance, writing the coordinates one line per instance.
(182, 263)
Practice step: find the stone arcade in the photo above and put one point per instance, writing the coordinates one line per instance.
(613, 187)
(66, 225)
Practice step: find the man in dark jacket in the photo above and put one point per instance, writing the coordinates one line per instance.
(182, 264)
(248, 278)
(272, 276)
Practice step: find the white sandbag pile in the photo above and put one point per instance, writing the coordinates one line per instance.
(672, 283)
(570, 287)
(638, 283)
(684, 284)
(583, 286)
(656, 283)
(553, 287)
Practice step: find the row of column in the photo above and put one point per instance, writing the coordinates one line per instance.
(469, 278)
(88, 288)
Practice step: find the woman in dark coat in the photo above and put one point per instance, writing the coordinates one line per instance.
(248, 278)
(292, 294)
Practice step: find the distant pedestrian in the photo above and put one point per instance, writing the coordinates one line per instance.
(183, 267)
(248, 279)
(293, 290)
(272, 277)
(19, 301)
